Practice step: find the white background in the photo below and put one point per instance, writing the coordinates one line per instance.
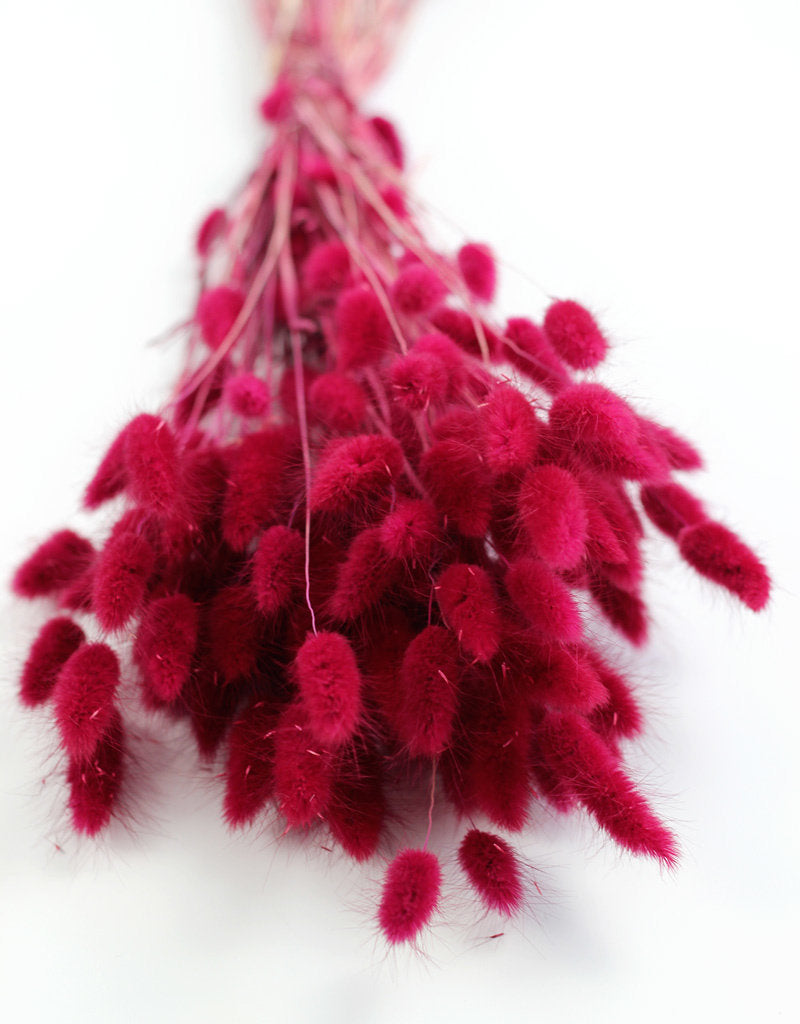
(639, 156)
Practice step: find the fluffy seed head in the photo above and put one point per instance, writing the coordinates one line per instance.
(493, 870)
(583, 762)
(277, 104)
(718, 554)
(419, 380)
(94, 785)
(468, 603)
(410, 895)
(388, 139)
(217, 312)
(357, 808)
(511, 430)
(428, 692)
(277, 572)
(247, 395)
(459, 484)
(250, 769)
(84, 698)
(337, 402)
(165, 644)
(364, 577)
(531, 352)
(412, 532)
(363, 332)
(624, 609)
(544, 600)
(255, 485)
(123, 568)
(151, 463)
(210, 231)
(329, 681)
(111, 477)
(680, 454)
(353, 472)
(620, 714)
(671, 507)
(56, 643)
(553, 515)
(326, 270)
(477, 266)
(574, 334)
(605, 432)
(303, 769)
(417, 289)
(564, 678)
(53, 566)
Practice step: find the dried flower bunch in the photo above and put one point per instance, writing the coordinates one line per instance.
(359, 548)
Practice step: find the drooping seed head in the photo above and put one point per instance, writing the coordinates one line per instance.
(574, 334)
(493, 870)
(84, 698)
(477, 266)
(410, 895)
(57, 641)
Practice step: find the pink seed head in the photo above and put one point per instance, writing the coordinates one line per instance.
(574, 334)
(410, 895)
(362, 329)
(94, 785)
(531, 352)
(511, 430)
(338, 402)
(493, 870)
(388, 139)
(544, 600)
(53, 566)
(352, 472)
(718, 554)
(84, 698)
(469, 606)
(413, 531)
(250, 769)
(165, 644)
(247, 395)
(329, 681)
(326, 270)
(152, 464)
(477, 266)
(553, 515)
(217, 312)
(671, 507)
(56, 643)
(277, 569)
(427, 692)
(417, 289)
(210, 231)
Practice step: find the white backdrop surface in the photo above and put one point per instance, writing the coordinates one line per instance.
(640, 157)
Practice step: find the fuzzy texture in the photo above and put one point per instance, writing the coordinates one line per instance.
(412, 532)
(151, 464)
(111, 477)
(57, 641)
(95, 784)
(718, 554)
(420, 380)
(493, 870)
(277, 569)
(511, 431)
(574, 334)
(84, 698)
(544, 600)
(427, 692)
(329, 682)
(303, 770)
(477, 266)
(467, 599)
(120, 578)
(583, 762)
(56, 563)
(255, 485)
(247, 395)
(530, 351)
(410, 895)
(671, 507)
(250, 768)
(624, 609)
(217, 312)
(417, 289)
(337, 402)
(458, 481)
(165, 643)
(605, 431)
(363, 332)
(326, 269)
(353, 473)
(365, 575)
(553, 515)
(210, 232)
(356, 810)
